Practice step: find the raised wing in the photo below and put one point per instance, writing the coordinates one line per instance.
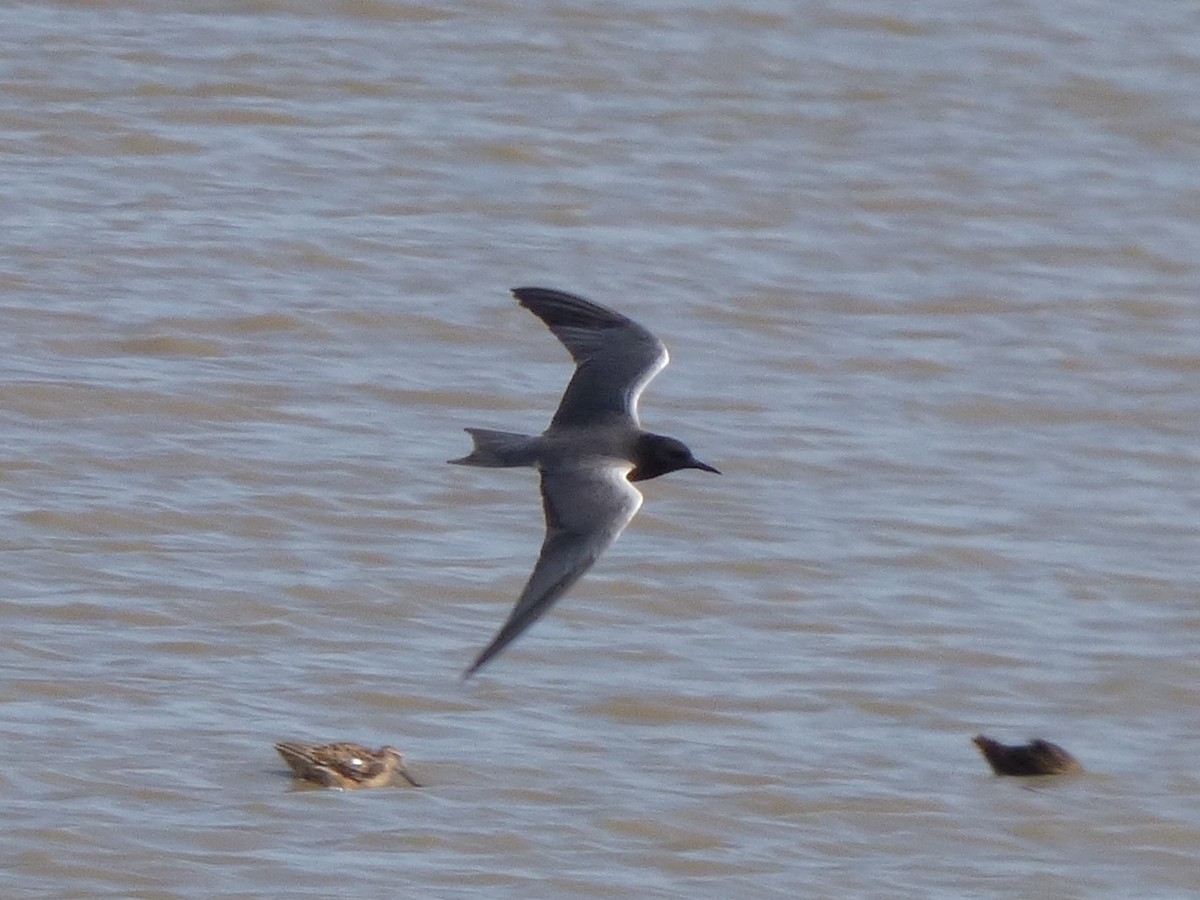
(615, 357)
(586, 508)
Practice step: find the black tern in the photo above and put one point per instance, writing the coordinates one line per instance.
(590, 454)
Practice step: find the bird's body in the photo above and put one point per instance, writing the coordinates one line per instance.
(591, 453)
(1038, 757)
(343, 765)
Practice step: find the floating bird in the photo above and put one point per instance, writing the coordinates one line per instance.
(591, 453)
(1038, 757)
(346, 766)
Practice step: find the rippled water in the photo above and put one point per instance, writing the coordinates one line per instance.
(928, 274)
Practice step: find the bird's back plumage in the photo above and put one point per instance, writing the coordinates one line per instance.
(344, 765)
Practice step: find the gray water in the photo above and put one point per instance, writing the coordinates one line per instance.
(928, 276)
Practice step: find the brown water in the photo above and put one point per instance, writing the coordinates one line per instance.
(928, 274)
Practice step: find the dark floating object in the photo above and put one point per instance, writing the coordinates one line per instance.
(345, 766)
(1038, 757)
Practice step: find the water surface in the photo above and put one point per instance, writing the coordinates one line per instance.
(928, 278)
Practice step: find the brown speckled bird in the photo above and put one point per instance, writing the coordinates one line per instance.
(1038, 757)
(345, 766)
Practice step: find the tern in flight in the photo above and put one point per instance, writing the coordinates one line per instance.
(590, 455)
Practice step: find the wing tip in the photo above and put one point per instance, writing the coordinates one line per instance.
(532, 294)
(498, 643)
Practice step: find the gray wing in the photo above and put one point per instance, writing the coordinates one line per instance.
(586, 508)
(615, 357)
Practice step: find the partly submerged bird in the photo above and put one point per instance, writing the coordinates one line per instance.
(590, 454)
(345, 765)
(1038, 757)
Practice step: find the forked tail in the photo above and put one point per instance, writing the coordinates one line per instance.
(499, 449)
